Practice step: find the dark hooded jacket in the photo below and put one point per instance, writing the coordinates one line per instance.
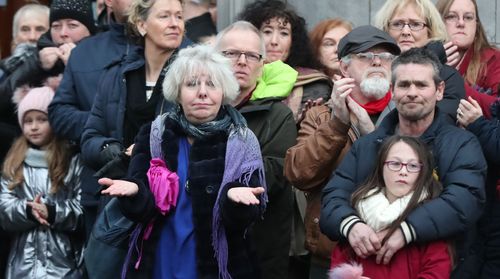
(459, 164)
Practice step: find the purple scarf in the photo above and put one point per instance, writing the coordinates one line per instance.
(243, 159)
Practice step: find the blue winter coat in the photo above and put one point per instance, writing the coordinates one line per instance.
(106, 119)
(460, 165)
(73, 100)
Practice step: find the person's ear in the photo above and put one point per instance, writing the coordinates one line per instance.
(343, 69)
(141, 28)
(440, 91)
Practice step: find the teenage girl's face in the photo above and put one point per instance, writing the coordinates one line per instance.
(400, 183)
(36, 128)
(278, 37)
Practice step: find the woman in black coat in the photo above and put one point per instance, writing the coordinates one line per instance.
(196, 178)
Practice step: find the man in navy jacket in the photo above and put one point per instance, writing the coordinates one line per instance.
(460, 166)
(73, 100)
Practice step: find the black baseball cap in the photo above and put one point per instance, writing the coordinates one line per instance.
(365, 37)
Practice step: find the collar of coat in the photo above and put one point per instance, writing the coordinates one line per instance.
(391, 121)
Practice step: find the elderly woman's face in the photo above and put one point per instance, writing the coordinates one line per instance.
(278, 39)
(164, 27)
(200, 98)
(406, 37)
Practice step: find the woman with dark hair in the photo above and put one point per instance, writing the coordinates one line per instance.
(402, 179)
(476, 60)
(325, 38)
(286, 39)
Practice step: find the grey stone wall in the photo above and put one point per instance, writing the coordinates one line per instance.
(359, 12)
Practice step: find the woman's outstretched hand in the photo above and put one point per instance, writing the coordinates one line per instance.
(118, 188)
(245, 195)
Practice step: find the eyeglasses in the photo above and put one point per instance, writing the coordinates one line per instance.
(413, 25)
(236, 54)
(369, 56)
(454, 18)
(397, 166)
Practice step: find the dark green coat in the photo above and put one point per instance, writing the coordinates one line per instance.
(273, 124)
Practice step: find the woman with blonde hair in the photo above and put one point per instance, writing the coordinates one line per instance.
(476, 60)
(129, 94)
(417, 23)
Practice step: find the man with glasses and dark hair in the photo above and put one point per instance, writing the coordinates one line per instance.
(273, 124)
(459, 166)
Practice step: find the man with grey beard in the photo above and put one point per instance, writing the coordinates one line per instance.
(365, 56)
(360, 98)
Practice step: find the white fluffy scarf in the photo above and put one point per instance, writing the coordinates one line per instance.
(378, 213)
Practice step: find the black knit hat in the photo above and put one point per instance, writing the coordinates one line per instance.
(80, 10)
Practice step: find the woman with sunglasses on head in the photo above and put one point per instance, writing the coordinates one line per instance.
(469, 51)
(417, 23)
(402, 179)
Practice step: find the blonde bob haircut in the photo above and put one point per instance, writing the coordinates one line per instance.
(139, 11)
(200, 59)
(425, 9)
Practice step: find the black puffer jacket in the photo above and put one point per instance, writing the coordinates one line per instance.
(454, 89)
(22, 68)
(460, 165)
(25, 68)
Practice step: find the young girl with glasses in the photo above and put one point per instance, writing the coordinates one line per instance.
(402, 179)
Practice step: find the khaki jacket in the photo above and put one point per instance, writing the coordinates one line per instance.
(321, 144)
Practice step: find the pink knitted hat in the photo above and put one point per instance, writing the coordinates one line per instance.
(36, 99)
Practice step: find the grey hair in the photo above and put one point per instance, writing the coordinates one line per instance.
(35, 8)
(419, 56)
(243, 26)
(346, 59)
(201, 2)
(196, 60)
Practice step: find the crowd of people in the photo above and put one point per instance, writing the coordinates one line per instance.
(145, 143)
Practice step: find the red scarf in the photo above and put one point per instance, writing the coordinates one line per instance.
(377, 106)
